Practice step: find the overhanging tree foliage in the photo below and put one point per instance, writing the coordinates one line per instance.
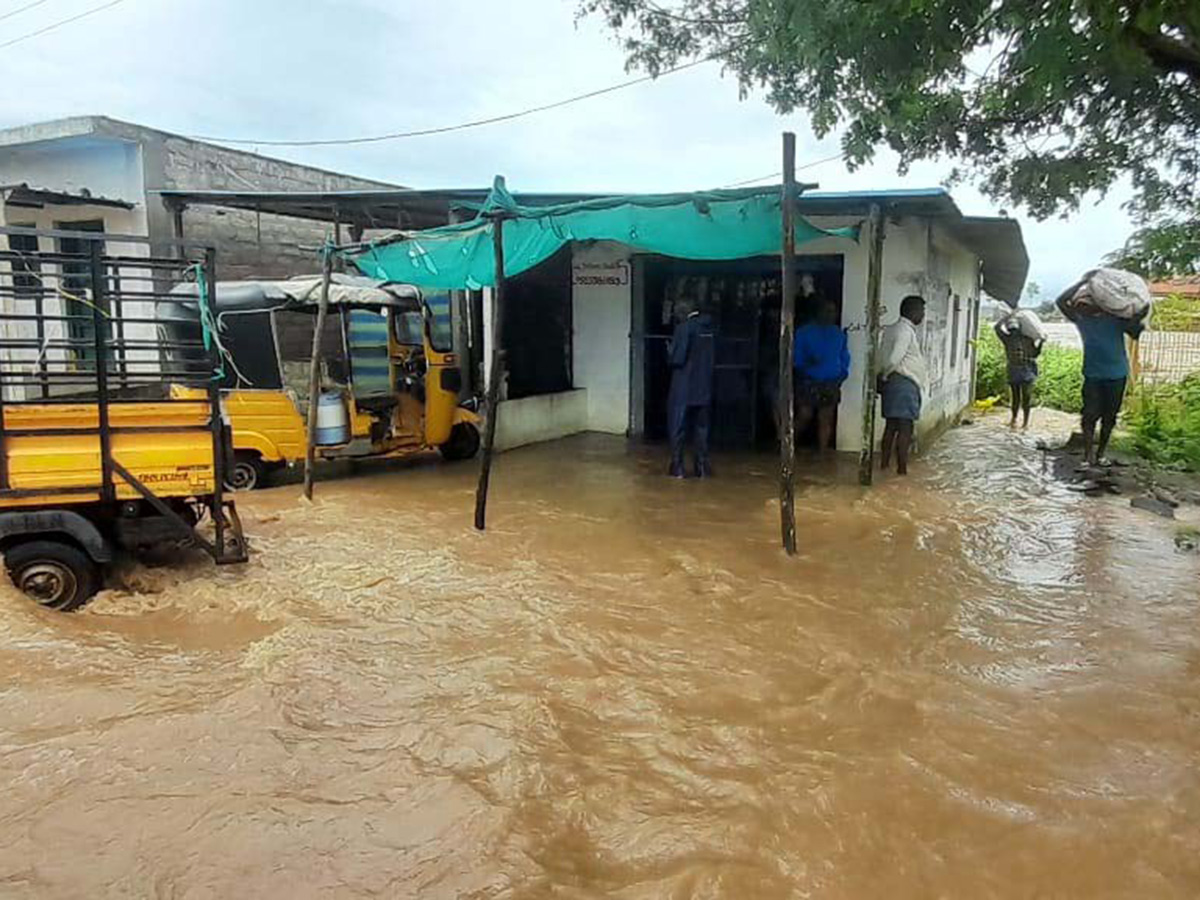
(1039, 102)
(1162, 250)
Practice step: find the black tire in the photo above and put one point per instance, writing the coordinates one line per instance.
(247, 474)
(463, 443)
(56, 575)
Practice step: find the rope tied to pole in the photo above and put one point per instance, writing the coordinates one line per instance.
(209, 331)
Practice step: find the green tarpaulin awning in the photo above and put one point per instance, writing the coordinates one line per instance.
(711, 225)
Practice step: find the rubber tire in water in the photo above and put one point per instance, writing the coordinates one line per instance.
(463, 443)
(56, 575)
(248, 473)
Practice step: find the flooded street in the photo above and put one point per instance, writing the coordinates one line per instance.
(972, 683)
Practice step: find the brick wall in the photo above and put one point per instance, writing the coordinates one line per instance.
(250, 245)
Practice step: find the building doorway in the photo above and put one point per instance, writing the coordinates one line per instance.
(744, 298)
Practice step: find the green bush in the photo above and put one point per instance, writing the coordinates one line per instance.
(1164, 421)
(1060, 378)
(991, 372)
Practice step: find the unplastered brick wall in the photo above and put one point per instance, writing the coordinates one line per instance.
(251, 245)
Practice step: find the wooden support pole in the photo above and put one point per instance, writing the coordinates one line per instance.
(496, 374)
(314, 373)
(177, 226)
(787, 324)
(866, 458)
(337, 235)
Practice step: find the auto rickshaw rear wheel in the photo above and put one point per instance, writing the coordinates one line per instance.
(247, 474)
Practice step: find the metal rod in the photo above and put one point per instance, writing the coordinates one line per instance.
(866, 457)
(83, 399)
(88, 235)
(99, 329)
(39, 308)
(494, 378)
(787, 323)
(116, 308)
(150, 497)
(216, 420)
(4, 475)
(314, 372)
(116, 429)
(17, 493)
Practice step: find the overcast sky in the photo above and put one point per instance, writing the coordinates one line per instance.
(304, 69)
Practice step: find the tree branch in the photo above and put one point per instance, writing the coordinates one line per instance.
(1168, 54)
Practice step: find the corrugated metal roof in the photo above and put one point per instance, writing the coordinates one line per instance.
(24, 195)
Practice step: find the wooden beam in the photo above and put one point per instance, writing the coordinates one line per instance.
(314, 372)
(866, 458)
(496, 374)
(787, 324)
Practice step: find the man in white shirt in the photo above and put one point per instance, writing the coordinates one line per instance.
(902, 377)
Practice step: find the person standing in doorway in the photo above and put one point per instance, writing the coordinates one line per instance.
(1021, 353)
(1105, 366)
(692, 357)
(902, 378)
(822, 362)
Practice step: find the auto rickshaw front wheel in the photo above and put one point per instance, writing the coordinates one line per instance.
(463, 443)
(57, 575)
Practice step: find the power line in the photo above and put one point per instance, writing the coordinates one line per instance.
(373, 139)
(61, 23)
(21, 9)
(748, 181)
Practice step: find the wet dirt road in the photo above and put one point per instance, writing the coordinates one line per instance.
(970, 684)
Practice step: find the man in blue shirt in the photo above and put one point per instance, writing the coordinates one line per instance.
(1105, 366)
(821, 357)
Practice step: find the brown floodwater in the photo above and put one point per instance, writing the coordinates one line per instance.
(972, 683)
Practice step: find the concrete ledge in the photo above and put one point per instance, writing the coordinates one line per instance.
(545, 417)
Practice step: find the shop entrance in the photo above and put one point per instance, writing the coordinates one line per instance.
(743, 298)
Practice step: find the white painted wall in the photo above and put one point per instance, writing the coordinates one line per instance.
(601, 300)
(952, 283)
(545, 417)
(116, 221)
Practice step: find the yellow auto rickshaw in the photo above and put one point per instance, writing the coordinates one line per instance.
(390, 381)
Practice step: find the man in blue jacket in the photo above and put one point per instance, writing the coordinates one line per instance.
(822, 362)
(692, 358)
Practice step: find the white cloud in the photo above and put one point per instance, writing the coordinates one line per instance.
(286, 69)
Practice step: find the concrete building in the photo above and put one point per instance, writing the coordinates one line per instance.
(619, 324)
(586, 330)
(96, 173)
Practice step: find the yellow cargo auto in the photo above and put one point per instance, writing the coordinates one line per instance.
(98, 450)
(390, 381)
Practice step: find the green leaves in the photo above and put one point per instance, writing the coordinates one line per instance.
(1161, 251)
(1040, 101)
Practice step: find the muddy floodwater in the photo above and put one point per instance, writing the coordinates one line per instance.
(970, 684)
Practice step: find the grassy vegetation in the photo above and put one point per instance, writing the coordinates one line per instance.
(1164, 423)
(1059, 384)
